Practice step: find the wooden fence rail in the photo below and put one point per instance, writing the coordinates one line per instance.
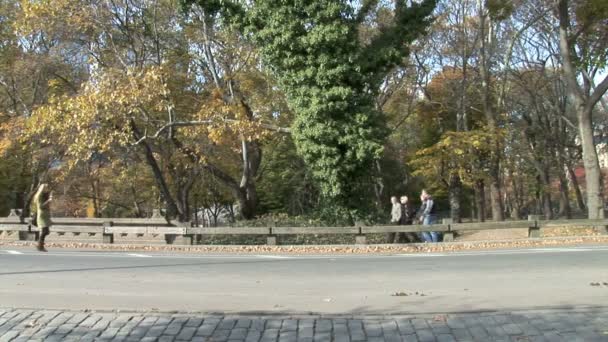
(158, 230)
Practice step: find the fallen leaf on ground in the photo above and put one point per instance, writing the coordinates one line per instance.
(440, 318)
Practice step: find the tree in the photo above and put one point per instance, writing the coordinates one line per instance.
(584, 51)
(331, 79)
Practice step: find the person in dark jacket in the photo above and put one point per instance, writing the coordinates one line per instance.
(408, 213)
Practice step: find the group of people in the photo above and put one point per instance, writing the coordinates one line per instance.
(403, 213)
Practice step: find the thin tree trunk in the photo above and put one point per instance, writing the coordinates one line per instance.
(172, 209)
(545, 186)
(577, 189)
(455, 191)
(564, 199)
(480, 200)
(484, 70)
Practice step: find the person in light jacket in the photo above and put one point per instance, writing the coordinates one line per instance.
(396, 216)
(42, 205)
(428, 216)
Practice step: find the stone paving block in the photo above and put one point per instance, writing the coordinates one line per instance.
(420, 324)
(173, 329)
(244, 323)
(220, 335)
(405, 327)
(206, 330)
(372, 329)
(166, 339)
(440, 328)
(425, 335)
(456, 323)
(156, 331)
(238, 334)
(258, 324)
(445, 338)
(228, 324)
(553, 336)
(306, 331)
(410, 338)
(54, 338)
(462, 334)
(375, 339)
(322, 337)
(479, 333)
(109, 333)
(186, 334)
(194, 322)
(289, 325)
(253, 336)
(392, 338)
(78, 318)
(90, 321)
(512, 329)
(323, 325)
(496, 331)
(288, 336)
(9, 335)
(358, 335)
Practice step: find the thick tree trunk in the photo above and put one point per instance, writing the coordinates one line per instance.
(455, 191)
(248, 201)
(496, 200)
(593, 175)
(585, 101)
(480, 200)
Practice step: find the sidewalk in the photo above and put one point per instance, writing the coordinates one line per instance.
(588, 324)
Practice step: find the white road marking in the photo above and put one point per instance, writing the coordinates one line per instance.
(139, 255)
(272, 257)
(13, 252)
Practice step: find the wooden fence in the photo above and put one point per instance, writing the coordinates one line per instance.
(158, 230)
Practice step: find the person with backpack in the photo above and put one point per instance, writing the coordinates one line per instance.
(42, 206)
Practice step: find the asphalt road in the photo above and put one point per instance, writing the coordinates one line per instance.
(427, 283)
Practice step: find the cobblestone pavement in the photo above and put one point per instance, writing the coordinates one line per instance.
(589, 324)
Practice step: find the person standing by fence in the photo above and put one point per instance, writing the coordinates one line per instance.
(396, 216)
(407, 217)
(428, 216)
(42, 205)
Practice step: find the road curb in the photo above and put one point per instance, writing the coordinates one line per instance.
(332, 249)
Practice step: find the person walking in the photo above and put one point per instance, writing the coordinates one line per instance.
(42, 205)
(407, 218)
(396, 215)
(428, 216)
